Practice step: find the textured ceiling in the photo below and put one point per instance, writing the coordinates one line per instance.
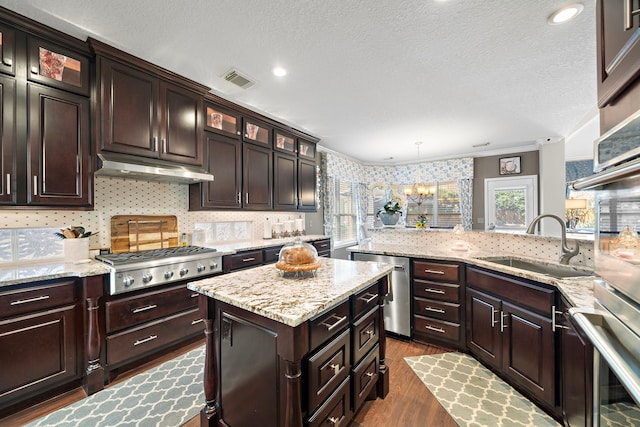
(369, 78)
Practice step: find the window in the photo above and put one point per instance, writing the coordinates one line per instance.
(345, 219)
(441, 211)
(510, 203)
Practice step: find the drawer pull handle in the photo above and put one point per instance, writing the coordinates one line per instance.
(335, 421)
(554, 324)
(434, 291)
(142, 341)
(248, 259)
(335, 367)
(434, 329)
(629, 13)
(370, 374)
(331, 327)
(195, 322)
(493, 317)
(194, 295)
(145, 308)
(370, 298)
(25, 301)
(434, 271)
(502, 324)
(435, 310)
(324, 245)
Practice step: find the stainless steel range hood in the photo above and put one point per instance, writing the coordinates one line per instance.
(135, 168)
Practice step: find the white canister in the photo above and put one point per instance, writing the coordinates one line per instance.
(267, 233)
(76, 250)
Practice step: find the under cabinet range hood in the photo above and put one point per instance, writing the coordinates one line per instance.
(121, 166)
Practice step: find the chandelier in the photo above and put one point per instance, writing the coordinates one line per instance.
(419, 192)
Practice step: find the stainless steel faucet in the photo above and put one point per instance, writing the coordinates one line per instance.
(567, 253)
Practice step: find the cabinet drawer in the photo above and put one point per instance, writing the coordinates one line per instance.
(327, 324)
(323, 247)
(436, 271)
(148, 338)
(336, 411)
(38, 298)
(364, 335)
(327, 368)
(439, 291)
(364, 300)
(364, 377)
(438, 309)
(437, 328)
(525, 294)
(270, 255)
(132, 311)
(245, 259)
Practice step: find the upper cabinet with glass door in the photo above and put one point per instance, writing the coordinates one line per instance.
(285, 142)
(7, 50)
(306, 149)
(56, 66)
(223, 121)
(257, 132)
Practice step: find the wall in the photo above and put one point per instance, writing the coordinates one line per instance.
(487, 167)
(117, 196)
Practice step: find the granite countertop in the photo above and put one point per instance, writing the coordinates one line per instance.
(247, 245)
(26, 273)
(290, 300)
(579, 291)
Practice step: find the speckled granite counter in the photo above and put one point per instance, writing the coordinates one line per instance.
(52, 270)
(247, 245)
(579, 291)
(289, 300)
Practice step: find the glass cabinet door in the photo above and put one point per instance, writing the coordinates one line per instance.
(7, 50)
(257, 132)
(222, 121)
(59, 67)
(285, 142)
(306, 149)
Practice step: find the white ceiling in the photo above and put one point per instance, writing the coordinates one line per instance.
(369, 78)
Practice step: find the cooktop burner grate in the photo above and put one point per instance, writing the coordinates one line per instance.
(154, 254)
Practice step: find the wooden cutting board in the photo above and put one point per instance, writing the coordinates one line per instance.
(132, 233)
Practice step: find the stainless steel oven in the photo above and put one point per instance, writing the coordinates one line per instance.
(613, 325)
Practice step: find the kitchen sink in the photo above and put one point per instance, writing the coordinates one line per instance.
(559, 271)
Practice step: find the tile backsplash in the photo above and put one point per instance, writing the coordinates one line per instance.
(118, 196)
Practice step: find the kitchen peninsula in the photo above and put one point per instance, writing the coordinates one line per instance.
(286, 349)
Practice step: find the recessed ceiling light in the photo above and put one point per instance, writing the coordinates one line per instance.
(565, 14)
(279, 72)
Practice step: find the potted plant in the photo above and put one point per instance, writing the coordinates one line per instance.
(390, 212)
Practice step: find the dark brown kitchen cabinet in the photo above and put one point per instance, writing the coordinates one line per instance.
(222, 120)
(306, 185)
(618, 26)
(257, 132)
(509, 327)
(56, 66)
(8, 161)
(7, 50)
(257, 178)
(306, 149)
(142, 113)
(59, 147)
(223, 159)
(285, 182)
(39, 338)
(576, 360)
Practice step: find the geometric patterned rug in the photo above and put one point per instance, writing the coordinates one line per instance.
(165, 396)
(475, 396)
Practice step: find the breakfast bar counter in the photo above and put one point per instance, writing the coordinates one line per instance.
(283, 351)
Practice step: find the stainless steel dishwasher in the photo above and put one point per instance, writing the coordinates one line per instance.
(397, 306)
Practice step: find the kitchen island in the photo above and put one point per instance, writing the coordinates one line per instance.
(288, 351)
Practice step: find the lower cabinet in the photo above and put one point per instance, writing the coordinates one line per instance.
(39, 340)
(576, 358)
(509, 327)
(146, 322)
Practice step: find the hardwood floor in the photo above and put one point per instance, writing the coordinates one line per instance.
(408, 404)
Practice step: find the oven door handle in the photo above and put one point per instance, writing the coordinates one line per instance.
(616, 356)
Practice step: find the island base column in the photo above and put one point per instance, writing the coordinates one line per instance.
(210, 414)
(383, 380)
(293, 414)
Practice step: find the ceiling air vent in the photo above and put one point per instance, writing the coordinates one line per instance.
(235, 77)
